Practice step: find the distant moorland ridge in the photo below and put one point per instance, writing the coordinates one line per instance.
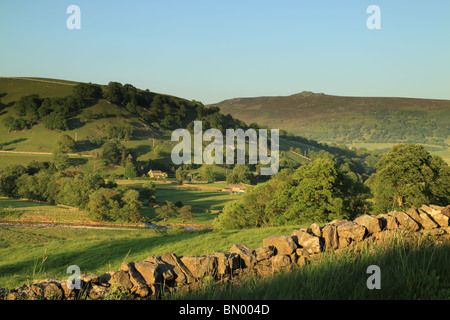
(348, 119)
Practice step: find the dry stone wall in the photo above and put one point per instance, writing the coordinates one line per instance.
(150, 277)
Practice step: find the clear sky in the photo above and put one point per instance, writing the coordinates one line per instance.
(211, 50)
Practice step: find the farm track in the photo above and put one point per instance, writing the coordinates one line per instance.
(51, 225)
(46, 153)
(39, 80)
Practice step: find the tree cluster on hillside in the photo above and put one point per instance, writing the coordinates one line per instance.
(167, 112)
(52, 112)
(359, 160)
(387, 125)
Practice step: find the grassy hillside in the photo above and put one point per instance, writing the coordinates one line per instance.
(348, 119)
(149, 141)
(82, 128)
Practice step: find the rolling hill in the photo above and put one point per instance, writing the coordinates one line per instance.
(88, 126)
(350, 120)
(85, 126)
(92, 121)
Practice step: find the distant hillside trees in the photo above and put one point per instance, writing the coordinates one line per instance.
(114, 93)
(241, 174)
(165, 112)
(87, 91)
(122, 131)
(387, 125)
(52, 112)
(409, 176)
(156, 110)
(55, 121)
(15, 124)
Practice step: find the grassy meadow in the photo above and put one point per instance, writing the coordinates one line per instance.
(206, 200)
(28, 253)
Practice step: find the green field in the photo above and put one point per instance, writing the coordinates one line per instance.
(39, 253)
(206, 204)
(28, 252)
(23, 211)
(205, 199)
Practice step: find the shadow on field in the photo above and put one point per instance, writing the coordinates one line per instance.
(198, 199)
(101, 256)
(13, 142)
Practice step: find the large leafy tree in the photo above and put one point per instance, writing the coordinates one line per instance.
(167, 211)
(87, 91)
(64, 144)
(241, 174)
(408, 176)
(114, 152)
(319, 192)
(114, 92)
(315, 193)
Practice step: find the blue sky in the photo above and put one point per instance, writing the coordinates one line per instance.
(212, 50)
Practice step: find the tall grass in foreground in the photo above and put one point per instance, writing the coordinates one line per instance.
(410, 269)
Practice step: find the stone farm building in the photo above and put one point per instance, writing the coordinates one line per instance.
(157, 174)
(235, 188)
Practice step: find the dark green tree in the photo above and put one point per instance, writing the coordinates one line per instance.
(407, 176)
(87, 91)
(113, 93)
(186, 213)
(131, 210)
(8, 178)
(114, 152)
(181, 174)
(166, 211)
(208, 173)
(147, 193)
(65, 144)
(130, 171)
(55, 121)
(241, 174)
(103, 204)
(61, 160)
